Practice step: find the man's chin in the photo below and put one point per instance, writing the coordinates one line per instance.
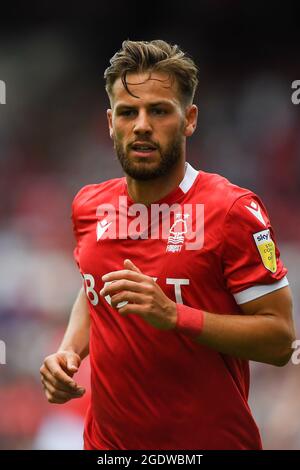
(142, 168)
(143, 171)
(150, 168)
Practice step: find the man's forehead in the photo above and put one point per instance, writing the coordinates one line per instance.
(146, 85)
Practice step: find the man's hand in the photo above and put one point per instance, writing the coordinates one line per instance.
(56, 376)
(143, 294)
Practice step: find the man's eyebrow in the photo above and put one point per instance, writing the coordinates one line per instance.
(159, 103)
(124, 105)
(132, 106)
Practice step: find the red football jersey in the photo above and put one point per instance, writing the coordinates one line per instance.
(154, 389)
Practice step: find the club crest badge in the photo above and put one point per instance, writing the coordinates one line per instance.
(177, 233)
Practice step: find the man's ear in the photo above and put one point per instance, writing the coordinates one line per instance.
(191, 116)
(109, 119)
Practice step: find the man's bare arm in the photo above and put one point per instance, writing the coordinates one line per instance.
(263, 333)
(58, 369)
(77, 334)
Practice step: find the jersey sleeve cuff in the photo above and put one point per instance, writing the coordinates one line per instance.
(258, 291)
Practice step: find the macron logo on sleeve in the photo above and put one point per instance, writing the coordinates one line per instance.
(256, 211)
(101, 228)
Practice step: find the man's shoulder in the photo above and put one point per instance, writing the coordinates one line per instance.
(221, 192)
(96, 190)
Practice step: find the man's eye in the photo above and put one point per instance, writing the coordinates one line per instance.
(128, 112)
(159, 111)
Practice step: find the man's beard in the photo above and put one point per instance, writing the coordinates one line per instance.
(144, 171)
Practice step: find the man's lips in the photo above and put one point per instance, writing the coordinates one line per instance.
(143, 146)
(143, 153)
(143, 149)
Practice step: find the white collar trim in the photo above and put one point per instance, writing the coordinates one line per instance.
(189, 178)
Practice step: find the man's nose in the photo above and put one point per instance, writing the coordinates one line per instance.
(142, 124)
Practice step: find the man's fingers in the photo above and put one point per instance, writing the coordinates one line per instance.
(124, 274)
(58, 374)
(132, 297)
(60, 397)
(73, 362)
(137, 309)
(52, 399)
(46, 376)
(122, 285)
(61, 376)
(56, 394)
(128, 264)
(69, 361)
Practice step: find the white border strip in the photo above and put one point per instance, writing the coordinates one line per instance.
(189, 178)
(257, 291)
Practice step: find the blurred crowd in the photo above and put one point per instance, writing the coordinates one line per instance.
(54, 140)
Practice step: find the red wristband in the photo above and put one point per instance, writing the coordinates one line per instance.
(189, 320)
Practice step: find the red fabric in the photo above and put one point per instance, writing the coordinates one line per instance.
(154, 389)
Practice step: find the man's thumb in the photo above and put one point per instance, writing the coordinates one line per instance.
(72, 364)
(129, 265)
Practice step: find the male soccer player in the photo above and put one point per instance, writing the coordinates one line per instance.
(183, 283)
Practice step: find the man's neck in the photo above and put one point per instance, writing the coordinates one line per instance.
(147, 192)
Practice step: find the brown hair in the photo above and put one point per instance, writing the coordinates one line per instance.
(157, 55)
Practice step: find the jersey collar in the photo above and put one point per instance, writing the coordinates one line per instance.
(185, 185)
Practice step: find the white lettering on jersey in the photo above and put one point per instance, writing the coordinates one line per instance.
(93, 296)
(256, 211)
(89, 289)
(120, 304)
(177, 283)
(108, 297)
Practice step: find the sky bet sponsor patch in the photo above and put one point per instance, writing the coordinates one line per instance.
(266, 249)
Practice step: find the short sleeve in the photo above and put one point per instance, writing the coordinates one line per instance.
(76, 233)
(251, 258)
(76, 216)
